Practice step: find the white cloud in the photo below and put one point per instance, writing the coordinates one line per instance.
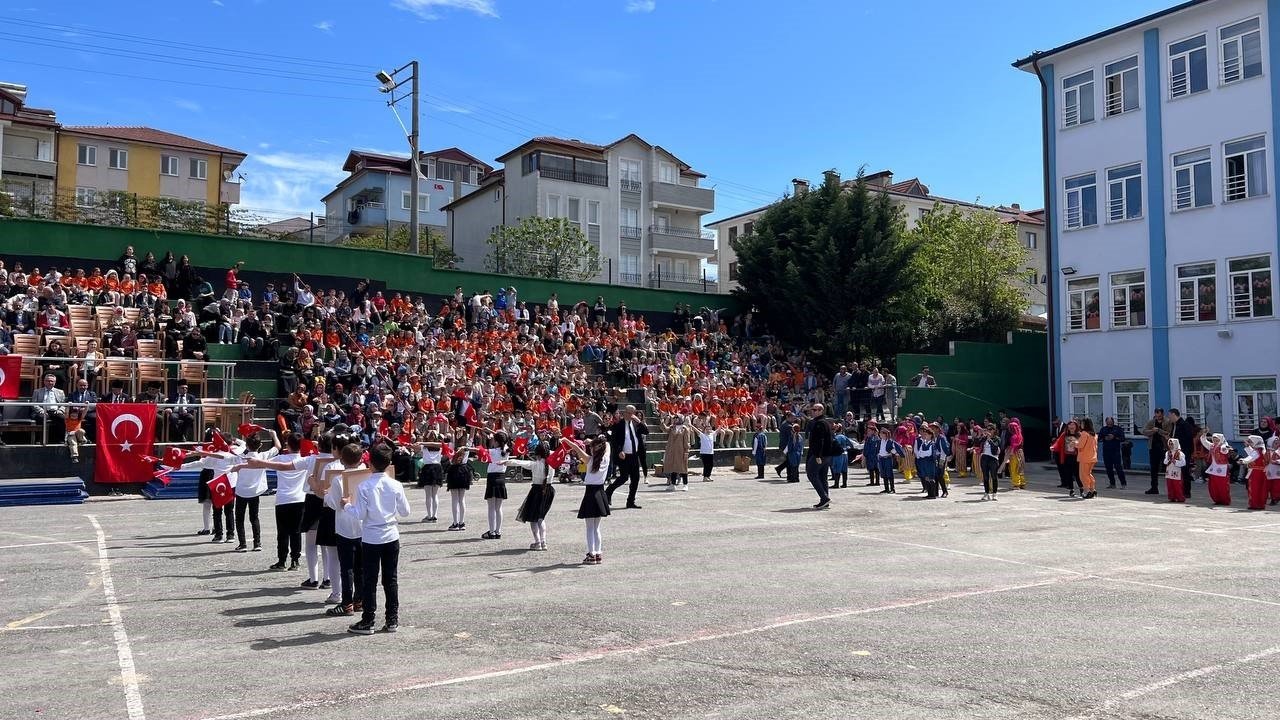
(641, 6)
(218, 3)
(188, 105)
(285, 184)
(448, 108)
(264, 145)
(324, 26)
(428, 9)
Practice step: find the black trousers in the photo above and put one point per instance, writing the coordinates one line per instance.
(250, 504)
(675, 478)
(384, 558)
(989, 465)
(628, 471)
(349, 567)
(228, 512)
(289, 531)
(1186, 479)
(1156, 461)
(1114, 465)
(708, 462)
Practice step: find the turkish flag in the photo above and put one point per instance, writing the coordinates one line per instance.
(126, 436)
(218, 444)
(308, 448)
(521, 445)
(446, 451)
(247, 429)
(483, 454)
(220, 491)
(10, 376)
(173, 457)
(557, 457)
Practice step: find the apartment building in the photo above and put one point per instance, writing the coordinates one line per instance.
(638, 203)
(915, 200)
(28, 137)
(115, 161)
(1162, 216)
(375, 197)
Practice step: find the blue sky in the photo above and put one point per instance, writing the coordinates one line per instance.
(750, 92)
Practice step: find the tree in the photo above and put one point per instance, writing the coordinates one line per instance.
(971, 266)
(831, 271)
(398, 241)
(543, 247)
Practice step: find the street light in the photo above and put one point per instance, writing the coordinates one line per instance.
(388, 84)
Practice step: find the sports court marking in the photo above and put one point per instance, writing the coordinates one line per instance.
(124, 651)
(39, 544)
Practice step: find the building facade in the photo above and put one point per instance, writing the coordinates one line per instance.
(115, 165)
(28, 151)
(638, 203)
(1160, 138)
(915, 201)
(375, 197)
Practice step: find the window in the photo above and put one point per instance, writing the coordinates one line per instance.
(1082, 201)
(748, 228)
(1202, 400)
(1084, 306)
(1246, 168)
(553, 206)
(1188, 67)
(575, 212)
(199, 169)
(1128, 300)
(629, 222)
(1198, 292)
(667, 173)
(733, 271)
(44, 150)
(169, 165)
(1124, 193)
(733, 233)
(571, 169)
(1241, 51)
(86, 197)
(497, 194)
(449, 171)
(1032, 241)
(1086, 401)
(1250, 280)
(924, 213)
(1255, 399)
(1133, 402)
(629, 173)
(593, 216)
(528, 163)
(630, 268)
(1192, 180)
(1077, 99)
(424, 201)
(1122, 86)
(87, 154)
(118, 159)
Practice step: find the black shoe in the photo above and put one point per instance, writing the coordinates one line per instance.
(310, 584)
(325, 585)
(885, 491)
(202, 532)
(230, 538)
(277, 566)
(242, 548)
(778, 471)
(293, 565)
(822, 505)
(364, 627)
(633, 506)
(1112, 486)
(257, 547)
(390, 627)
(217, 538)
(1151, 492)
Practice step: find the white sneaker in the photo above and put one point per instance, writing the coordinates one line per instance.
(986, 496)
(684, 488)
(334, 598)
(993, 497)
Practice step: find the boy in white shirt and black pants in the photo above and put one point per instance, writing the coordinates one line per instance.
(347, 532)
(378, 502)
(292, 473)
(251, 485)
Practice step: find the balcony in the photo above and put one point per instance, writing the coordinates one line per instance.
(630, 184)
(577, 176)
(684, 240)
(687, 283)
(29, 166)
(701, 200)
(229, 193)
(629, 232)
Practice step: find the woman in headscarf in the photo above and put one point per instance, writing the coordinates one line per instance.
(1174, 461)
(675, 457)
(1255, 460)
(1219, 468)
(1015, 457)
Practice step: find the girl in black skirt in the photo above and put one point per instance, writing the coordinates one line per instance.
(431, 476)
(457, 478)
(495, 487)
(326, 532)
(541, 494)
(595, 506)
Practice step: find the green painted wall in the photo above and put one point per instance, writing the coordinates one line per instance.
(43, 238)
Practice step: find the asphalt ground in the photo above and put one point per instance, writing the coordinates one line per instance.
(733, 600)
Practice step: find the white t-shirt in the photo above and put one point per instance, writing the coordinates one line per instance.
(291, 485)
(253, 481)
(706, 443)
(431, 457)
(496, 463)
(344, 523)
(596, 477)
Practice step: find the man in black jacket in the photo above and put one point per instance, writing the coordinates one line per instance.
(626, 441)
(818, 458)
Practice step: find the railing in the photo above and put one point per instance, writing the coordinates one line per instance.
(1230, 70)
(1115, 102)
(694, 233)
(1075, 217)
(1071, 115)
(228, 417)
(629, 278)
(1237, 187)
(32, 199)
(575, 176)
(1183, 197)
(136, 366)
(681, 281)
(630, 232)
(1179, 84)
(1116, 209)
(630, 185)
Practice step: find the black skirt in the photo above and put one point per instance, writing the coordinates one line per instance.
(326, 533)
(537, 503)
(431, 474)
(594, 503)
(311, 509)
(459, 477)
(202, 486)
(495, 486)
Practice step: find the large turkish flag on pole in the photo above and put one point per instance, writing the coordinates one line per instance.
(10, 376)
(126, 433)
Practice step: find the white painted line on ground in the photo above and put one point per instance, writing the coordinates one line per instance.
(1192, 591)
(53, 627)
(1136, 693)
(124, 651)
(641, 648)
(39, 544)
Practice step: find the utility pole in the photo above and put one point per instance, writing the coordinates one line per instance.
(390, 85)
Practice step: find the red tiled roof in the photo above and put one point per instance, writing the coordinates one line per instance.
(910, 187)
(148, 135)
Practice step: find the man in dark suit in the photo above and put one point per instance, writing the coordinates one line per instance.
(818, 458)
(626, 439)
(116, 393)
(182, 417)
(82, 395)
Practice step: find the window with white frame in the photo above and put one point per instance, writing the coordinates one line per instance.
(87, 154)
(1086, 400)
(1133, 401)
(406, 201)
(118, 159)
(1032, 240)
(630, 268)
(1121, 83)
(667, 173)
(1240, 51)
(169, 165)
(1188, 67)
(1255, 399)
(1198, 292)
(1250, 282)
(1077, 99)
(575, 212)
(629, 173)
(1084, 306)
(1124, 193)
(1245, 168)
(1192, 179)
(593, 216)
(1081, 207)
(629, 222)
(199, 169)
(553, 206)
(1129, 299)
(86, 197)
(1202, 400)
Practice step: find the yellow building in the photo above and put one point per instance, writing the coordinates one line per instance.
(142, 169)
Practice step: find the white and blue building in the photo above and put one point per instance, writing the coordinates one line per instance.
(1160, 170)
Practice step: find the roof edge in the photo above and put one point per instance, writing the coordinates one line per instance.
(1021, 63)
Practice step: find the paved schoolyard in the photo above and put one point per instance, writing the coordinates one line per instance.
(731, 601)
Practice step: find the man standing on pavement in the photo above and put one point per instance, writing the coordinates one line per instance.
(861, 396)
(1157, 431)
(818, 458)
(626, 438)
(875, 385)
(841, 387)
